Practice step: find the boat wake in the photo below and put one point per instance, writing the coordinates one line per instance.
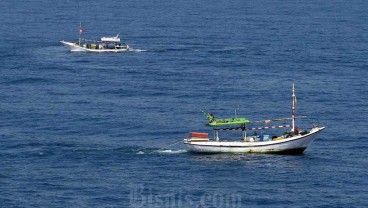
(168, 151)
(172, 151)
(136, 50)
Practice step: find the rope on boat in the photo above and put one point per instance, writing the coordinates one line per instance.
(162, 148)
(277, 119)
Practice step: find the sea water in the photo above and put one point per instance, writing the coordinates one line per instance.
(95, 129)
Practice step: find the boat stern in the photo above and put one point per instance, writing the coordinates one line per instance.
(72, 46)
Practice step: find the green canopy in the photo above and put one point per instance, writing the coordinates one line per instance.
(225, 121)
(228, 122)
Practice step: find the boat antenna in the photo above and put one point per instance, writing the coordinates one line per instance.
(117, 35)
(235, 111)
(293, 110)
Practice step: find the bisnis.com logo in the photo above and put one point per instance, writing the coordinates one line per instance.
(140, 196)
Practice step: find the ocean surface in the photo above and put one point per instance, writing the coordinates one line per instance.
(105, 130)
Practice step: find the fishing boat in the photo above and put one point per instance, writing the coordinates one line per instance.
(293, 141)
(105, 44)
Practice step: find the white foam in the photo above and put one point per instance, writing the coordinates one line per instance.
(137, 50)
(172, 151)
(140, 153)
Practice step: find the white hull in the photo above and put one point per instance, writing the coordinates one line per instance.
(78, 48)
(292, 145)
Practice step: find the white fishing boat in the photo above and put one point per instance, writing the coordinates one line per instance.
(105, 44)
(294, 141)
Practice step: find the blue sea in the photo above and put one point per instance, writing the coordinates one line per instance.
(105, 129)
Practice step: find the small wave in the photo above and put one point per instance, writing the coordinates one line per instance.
(228, 50)
(140, 153)
(28, 81)
(3, 176)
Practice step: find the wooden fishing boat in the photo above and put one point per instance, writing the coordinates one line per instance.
(294, 141)
(105, 44)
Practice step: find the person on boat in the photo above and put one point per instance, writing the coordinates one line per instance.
(261, 136)
(287, 134)
(212, 117)
(296, 130)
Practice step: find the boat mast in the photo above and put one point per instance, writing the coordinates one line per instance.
(80, 32)
(293, 111)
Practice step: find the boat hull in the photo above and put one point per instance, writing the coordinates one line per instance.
(77, 48)
(293, 145)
